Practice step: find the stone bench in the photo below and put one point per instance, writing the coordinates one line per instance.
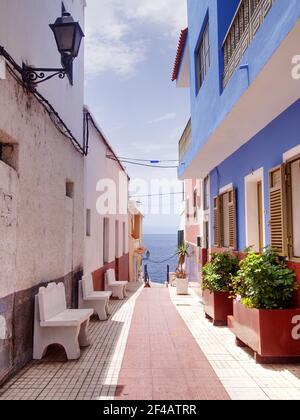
(55, 324)
(118, 288)
(88, 298)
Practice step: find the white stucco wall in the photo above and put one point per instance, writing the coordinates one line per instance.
(46, 161)
(9, 189)
(98, 167)
(25, 34)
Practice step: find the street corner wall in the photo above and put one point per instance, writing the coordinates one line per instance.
(46, 162)
(192, 232)
(44, 239)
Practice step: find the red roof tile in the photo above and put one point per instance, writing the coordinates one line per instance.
(180, 49)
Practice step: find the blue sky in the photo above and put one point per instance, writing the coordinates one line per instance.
(130, 51)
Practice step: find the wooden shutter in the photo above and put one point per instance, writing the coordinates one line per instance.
(277, 210)
(217, 238)
(232, 219)
(221, 221)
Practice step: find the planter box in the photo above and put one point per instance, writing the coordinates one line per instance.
(273, 335)
(182, 286)
(217, 306)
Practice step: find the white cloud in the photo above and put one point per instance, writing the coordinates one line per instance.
(166, 117)
(169, 14)
(114, 31)
(103, 55)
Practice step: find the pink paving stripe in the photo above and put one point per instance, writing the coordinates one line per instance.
(162, 360)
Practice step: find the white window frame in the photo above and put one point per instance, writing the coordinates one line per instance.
(254, 177)
(225, 189)
(290, 154)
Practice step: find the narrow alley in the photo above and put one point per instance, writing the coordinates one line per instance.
(156, 345)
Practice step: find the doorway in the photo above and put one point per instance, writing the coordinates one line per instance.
(117, 247)
(260, 216)
(255, 224)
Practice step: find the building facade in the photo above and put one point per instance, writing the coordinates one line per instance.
(136, 250)
(41, 174)
(194, 216)
(106, 208)
(240, 60)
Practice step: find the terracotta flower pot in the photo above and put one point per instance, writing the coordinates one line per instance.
(273, 335)
(217, 306)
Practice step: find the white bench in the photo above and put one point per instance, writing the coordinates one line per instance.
(118, 288)
(88, 298)
(55, 324)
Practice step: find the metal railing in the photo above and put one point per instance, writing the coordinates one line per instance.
(247, 20)
(185, 141)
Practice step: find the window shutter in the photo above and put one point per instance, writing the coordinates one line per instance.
(221, 221)
(217, 239)
(232, 219)
(277, 210)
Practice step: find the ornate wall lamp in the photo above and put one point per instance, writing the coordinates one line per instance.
(68, 36)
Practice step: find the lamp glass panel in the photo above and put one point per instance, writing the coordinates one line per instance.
(64, 38)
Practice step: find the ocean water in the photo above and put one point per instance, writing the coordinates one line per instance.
(161, 247)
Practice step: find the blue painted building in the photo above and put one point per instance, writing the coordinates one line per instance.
(240, 60)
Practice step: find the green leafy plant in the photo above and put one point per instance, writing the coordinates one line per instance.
(218, 273)
(264, 281)
(183, 254)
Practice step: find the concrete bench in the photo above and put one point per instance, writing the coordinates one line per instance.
(118, 288)
(88, 298)
(55, 324)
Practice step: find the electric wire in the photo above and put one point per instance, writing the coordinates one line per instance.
(52, 113)
(156, 195)
(143, 164)
(147, 160)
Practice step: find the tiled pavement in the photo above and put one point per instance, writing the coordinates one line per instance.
(93, 376)
(162, 360)
(235, 367)
(96, 375)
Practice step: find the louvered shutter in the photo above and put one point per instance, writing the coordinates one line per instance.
(232, 219)
(217, 238)
(277, 210)
(221, 221)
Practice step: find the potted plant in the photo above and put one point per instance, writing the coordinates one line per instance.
(217, 286)
(263, 316)
(182, 281)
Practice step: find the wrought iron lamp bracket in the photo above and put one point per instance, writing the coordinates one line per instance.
(33, 76)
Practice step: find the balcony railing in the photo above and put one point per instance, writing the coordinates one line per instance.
(248, 18)
(185, 141)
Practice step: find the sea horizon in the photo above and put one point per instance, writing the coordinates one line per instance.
(162, 247)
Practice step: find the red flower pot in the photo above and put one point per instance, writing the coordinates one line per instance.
(273, 335)
(217, 306)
